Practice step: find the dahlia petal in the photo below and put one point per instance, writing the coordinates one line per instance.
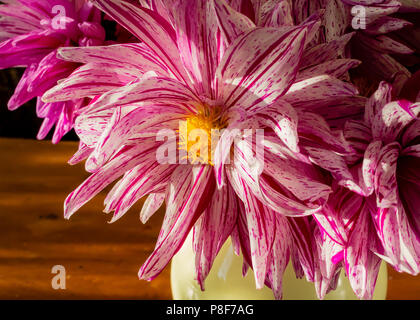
(149, 27)
(92, 30)
(317, 89)
(302, 233)
(325, 52)
(376, 10)
(24, 17)
(409, 5)
(222, 153)
(298, 178)
(273, 64)
(385, 25)
(283, 119)
(148, 178)
(49, 70)
(370, 162)
(28, 48)
(276, 14)
(314, 131)
(362, 265)
(137, 57)
(181, 217)
(198, 43)
(232, 23)
(49, 120)
(337, 110)
(383, 66)
(127, 159)
(157, 6)
(330, 222)
(89, 80)
(381, 97)
(213, 228)
(335, 68)
(401, 247)
(413, 151)
(337, 18)
(81, 154)
(329, 269)
(283, 202)
(410, 244)
(152, 204)
(156, 89)
(335, 164)
(358, 135)
(338, 217)
(124, 129)
(279, 258)
(21, 94)
(393, 118)
(385, 180)
(386, 44)
(261, 233)
(64, 122)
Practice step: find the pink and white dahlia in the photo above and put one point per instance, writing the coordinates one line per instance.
(31, 32)
(380, 220)
(204, 66)
(374, 43)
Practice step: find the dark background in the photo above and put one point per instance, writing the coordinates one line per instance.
(23, 122)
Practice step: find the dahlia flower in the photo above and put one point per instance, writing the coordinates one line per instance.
(31, 32)
(373, 42)
(381, 220)
(203, 65)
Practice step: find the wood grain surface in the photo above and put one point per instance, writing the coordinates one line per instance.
(101, 259)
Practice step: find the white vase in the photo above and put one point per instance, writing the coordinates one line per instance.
(225, 281)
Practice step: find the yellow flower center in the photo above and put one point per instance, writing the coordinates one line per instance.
(199, 134)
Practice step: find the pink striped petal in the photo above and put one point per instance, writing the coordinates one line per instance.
(232, 23)
(393, 118)
(149, 27)
(336, 68)
(125, 160)
(88, 81)
(283, 119)
(317, 90)
(376, 102)
(148, 178)
(137, 57)
(369, 166)
(261, 234)
(81, 154)
(28, 48)
(213, 228)
(385, 25)
(181, 216)
(325, 52)
(279, 257)
(385, 176)
(276, 14)
(337, 18)
(362, 265)
(271, 59)
(152, 204)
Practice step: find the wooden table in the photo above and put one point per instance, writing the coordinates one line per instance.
(101, 259)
